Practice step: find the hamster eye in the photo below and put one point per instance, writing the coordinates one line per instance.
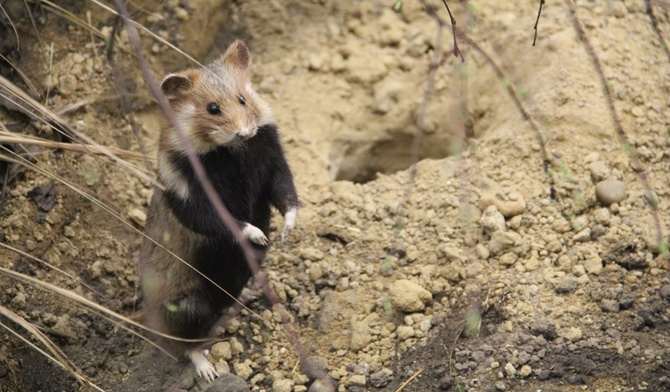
(243, 101)
(213, 108)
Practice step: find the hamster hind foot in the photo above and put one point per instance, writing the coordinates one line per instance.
(203, 367)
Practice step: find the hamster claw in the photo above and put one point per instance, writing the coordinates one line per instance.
(289, 223)
(255, 235)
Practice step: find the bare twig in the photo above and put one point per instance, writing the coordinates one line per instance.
(119, 83)
(636, 163)
(654, 24)
(310, 368)
(409, 380)
(517, 101)
(456, 51)
(421, 114)
(539, 12)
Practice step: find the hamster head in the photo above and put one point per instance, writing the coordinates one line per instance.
(216, 105)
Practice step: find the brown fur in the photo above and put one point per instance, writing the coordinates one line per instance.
(239, 147)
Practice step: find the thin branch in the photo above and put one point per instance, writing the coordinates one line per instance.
(421, 114)
(409, 380)
(636, 163)
(524, 113)
(119, 83)
(456, 51)
(539, 12)
(654, 23)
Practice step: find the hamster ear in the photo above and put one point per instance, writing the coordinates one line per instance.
(177, 83)
(237, 55)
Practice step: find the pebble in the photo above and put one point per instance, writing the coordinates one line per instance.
(610, 191)
(19, 301)
(573, 334)
(609, 305)
(221, 350)
(510, 370)
(404, 332)
(382, 378)
(594, 265)
(357, 380)
(243, 369)
(181, 14)
(502, 240)
(515, 206)
(544, 328)
(665, 292)
(315, 272)
(525, 371)
(283, 385)
(408, 296)
(67, 84)
(508, 259)
(320, 385)
(138, 216)
(226, 382)
(599, 170)
(360, 335)
(311, 254)
(492, 220)
(566, 285)
(64, 328)
(501, 386)
(602, 216)
(583, 236)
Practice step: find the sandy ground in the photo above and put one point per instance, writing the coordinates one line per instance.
(470, 278)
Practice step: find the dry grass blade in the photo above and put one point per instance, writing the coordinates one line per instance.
(57, 356)
(16, 33)
(147, 31)
(85, 102)
(115, 317)
(31, 107)
(409, 380)
(48, 5)
(8, 137)
(22, 75)
(22, 161)
(53, 267)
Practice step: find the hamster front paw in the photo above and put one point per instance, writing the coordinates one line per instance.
(254, 234)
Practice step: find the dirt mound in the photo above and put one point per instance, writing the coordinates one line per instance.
(472, 277)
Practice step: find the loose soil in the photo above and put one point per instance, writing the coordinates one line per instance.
(472, 276)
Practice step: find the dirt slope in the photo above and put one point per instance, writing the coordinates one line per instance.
(472, 277)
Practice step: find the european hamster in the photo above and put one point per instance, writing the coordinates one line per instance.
(235, 138)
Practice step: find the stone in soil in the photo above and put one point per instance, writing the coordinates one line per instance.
(610, 191)
(408, 296)
(227, 383)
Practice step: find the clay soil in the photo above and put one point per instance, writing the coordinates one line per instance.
(496, 267)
